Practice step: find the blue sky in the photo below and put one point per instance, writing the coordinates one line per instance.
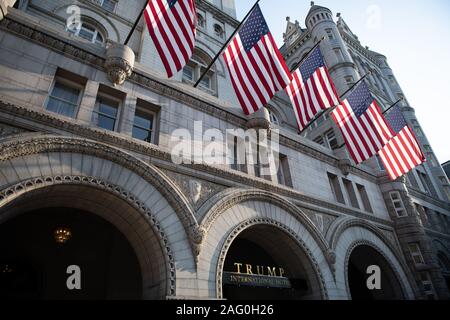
(415, 37)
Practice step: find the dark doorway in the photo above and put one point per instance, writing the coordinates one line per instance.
(33, 264)
(361, 258)
(262, 258)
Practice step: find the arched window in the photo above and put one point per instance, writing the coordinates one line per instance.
(195, 68)
(90, 33)
(218, 31)
(274, 118)
(443, 261)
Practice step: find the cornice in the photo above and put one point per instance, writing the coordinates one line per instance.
(219, 14)
(157, 153)
(159, 86)
(428, 199)
(297, 44)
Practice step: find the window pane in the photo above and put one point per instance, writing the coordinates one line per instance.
(85, 33)
(206, 82)
(108, 108)
(143, 121)
(142, 134)
(109, 5)
(188, 73)
(65, 93)
(106, 122)
(61, 107)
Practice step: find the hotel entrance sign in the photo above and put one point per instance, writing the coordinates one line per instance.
(252, 280)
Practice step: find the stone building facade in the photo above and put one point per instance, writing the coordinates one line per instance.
(74, 144)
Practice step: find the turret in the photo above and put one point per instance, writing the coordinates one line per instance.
(341, 65)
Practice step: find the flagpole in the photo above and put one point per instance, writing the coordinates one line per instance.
(225, 45)
(307, 54)
(341, 97)
(135, 24)
(396, 103)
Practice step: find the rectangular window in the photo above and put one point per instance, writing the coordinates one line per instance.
(283, 174)
(427, 285)
(330, 34)
(416, 254)
(319, 140)
(432, 159)
(331, 140)
(188, 74)
(424, 179)
(145, 123)
(398, 204)
(65, 94)
(412, 179)
(109, 5)
(339, 55)
(364, 197)
(237, 148)
(336, 188)
(418, 131)
(350, 81)
(106, 113)
(351, 193)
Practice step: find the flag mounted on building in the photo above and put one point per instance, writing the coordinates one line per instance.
(362, 124)
(172, 27)
(402, 153)
(255, 64)
(311, 89)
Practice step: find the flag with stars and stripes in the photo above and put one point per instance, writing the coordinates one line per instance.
(402, 153)
(172, 26)
(311, 89)
(362, 124)
(255, 64)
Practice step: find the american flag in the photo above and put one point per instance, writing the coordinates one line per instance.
(311, 89)
(256, 66)
(172, 26)
(402, 153)
(363, 126)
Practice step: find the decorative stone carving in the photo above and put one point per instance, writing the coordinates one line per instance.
(6, 130)
(198, 191)
(4, 4)
(119, 63)
(195, 189)
(259, 120)
(345, 166)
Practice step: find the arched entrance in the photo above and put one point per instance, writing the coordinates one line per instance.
(119, 253)
(361, 258)
(37, 247)
(265, 263)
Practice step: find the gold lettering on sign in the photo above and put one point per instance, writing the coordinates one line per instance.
(272, 272)
(249, 268)
(260, 270)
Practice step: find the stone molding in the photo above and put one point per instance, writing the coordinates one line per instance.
(165, 89)
(231, 197)
(12, 192)
(269, 222)
(38, 144)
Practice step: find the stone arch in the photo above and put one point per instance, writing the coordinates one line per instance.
(206, 50)
(136, 221)
(234, 211)
(34, 160)
(352, 233)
